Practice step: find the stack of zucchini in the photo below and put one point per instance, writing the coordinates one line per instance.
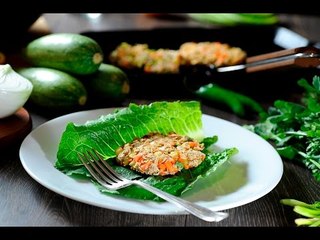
(67, 69)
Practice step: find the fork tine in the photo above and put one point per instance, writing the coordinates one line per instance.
(93, 169)
(113, 174)
(105, 168)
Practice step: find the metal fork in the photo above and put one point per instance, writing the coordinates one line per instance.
(107, 177)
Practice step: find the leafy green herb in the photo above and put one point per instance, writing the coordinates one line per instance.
(294, 128)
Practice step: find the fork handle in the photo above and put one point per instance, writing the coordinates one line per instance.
(199, 211)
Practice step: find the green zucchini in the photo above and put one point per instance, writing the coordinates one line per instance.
(108, 83)
(54, 88)
(69, 52)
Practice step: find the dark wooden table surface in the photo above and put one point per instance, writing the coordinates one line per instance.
(25, 202)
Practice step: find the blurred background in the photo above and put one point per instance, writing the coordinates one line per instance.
(255, 33)
(83, 22)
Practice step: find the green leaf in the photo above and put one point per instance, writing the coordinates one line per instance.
(111, 131)
(316, 83)
(305, 84)
(287, 152)
(208, 141)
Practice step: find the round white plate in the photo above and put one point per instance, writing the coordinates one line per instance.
(250, 174)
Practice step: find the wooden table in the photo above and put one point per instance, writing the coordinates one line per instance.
(24, 202)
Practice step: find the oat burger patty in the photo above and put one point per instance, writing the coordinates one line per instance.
(158, 154)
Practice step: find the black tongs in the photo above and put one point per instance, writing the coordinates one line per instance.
(302, 57)
(297, 57)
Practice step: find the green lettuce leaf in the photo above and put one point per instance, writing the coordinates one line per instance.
(111, 131)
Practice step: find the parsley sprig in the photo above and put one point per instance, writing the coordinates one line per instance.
(294, 128)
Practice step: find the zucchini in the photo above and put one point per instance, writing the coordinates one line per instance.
(108, 83)
(69, 52)
(53, 88)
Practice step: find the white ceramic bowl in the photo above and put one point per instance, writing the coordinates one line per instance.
(15, 90)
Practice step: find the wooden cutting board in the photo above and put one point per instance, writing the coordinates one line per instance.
(14, 128)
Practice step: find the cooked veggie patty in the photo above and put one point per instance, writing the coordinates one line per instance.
(140, 56)
(216, 53)
(157, 154)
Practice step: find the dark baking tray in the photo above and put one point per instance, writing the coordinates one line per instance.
(253, 39)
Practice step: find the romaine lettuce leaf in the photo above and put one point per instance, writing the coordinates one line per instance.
(111, 131)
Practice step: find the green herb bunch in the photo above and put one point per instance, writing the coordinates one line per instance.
(294, 128)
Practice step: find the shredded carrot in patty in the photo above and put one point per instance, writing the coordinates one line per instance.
(157, 154)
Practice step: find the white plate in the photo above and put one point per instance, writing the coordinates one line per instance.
(251, 174)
